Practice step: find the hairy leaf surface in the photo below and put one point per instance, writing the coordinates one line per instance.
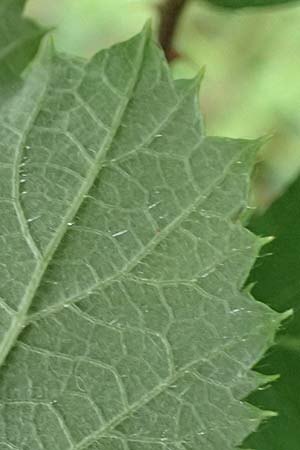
(19, 40)
(277, 282)
(124, 325)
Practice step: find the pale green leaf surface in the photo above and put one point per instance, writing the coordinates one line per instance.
(124, 325)
(19, 40)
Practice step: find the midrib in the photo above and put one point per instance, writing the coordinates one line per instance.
(19, 319)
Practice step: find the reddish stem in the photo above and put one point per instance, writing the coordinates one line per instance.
(170, 12)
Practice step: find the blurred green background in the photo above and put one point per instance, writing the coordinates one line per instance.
(252, 59)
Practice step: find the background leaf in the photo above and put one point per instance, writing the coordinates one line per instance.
(277, 281)
(235, 4)
(123, 320)
(19, 40)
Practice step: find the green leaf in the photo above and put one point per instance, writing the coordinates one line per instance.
(124, 324)
(19, 40)
(277, 281)
(236, 4)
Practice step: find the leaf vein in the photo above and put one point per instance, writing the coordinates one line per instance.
(19, 320)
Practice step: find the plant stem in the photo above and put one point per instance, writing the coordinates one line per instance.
(170, 12)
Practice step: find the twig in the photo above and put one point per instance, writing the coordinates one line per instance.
(170, 12)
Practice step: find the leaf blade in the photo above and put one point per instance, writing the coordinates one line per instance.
(137, 333)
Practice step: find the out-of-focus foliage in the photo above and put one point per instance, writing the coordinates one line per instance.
(19, 41)
(276, 280)
(252, 83)
(247, 3)
(252, 61)
(84, 26)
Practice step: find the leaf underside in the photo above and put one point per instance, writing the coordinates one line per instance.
(123, 321)
(277, 280)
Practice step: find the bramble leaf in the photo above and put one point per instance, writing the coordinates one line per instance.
(124, 323)
(277, 282)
